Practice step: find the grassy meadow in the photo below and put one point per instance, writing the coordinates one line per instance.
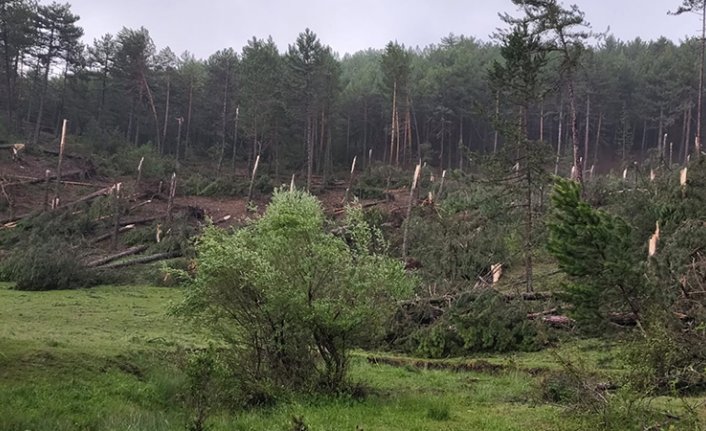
(109, 358)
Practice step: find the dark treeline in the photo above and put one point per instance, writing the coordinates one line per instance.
(309, 109)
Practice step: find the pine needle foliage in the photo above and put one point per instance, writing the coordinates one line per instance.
(595, 249)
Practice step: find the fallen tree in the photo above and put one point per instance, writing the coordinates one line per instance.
(142, 260)
(107, 259)
(23, 181)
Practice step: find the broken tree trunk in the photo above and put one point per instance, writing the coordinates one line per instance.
(350, 181)
(102, 192)
(139, 175)
(110, 234)
(113, 257)
(26, 181)
(45, 204)
(116, 220)
(55, 202)
(142, 260)
(405, 235)
(252, 178)
(172, 193)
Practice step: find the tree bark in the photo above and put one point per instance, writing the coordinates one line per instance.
(154, 111)
(142, 259)
(166, 115)
(45, 85)
(598, 139)
(559, 136)
(188, 118)
(224, 123)
(111, 258)
(578, 166)
(62, 144)
(697, 142)
(235, 138)
(495, 126)
(587, 131)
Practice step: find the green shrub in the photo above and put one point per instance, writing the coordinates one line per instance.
(290, 298)
(204, 372)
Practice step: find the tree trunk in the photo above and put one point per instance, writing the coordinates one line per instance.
(496, 118)
(392, 123)
(460, 145)
(320, 166)
(687, 141)
(235, 138)
(309, 152)
(166, 115)
(143, 259)
(116, 216)
(441, 151)
(683, 136)
(107, 259)
(62, 144)
(10, 74)
(60, 115)
(187, 139)
(559, 136)
(598, 139)
(697, 146)
(45, 85)
(154, 111)
(644, 139)
(365, 133)
(659, 134)
(224, 121)
(348, 136)
(578, 166)
(541, 122)
(104, 87)
(178, 143)
(529, 220)
(587, 131)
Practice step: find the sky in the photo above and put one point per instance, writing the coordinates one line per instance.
(205, 26)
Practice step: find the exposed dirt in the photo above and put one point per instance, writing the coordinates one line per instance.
(26, 197)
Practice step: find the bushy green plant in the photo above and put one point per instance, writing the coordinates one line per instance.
(290, 298)
(204, 371)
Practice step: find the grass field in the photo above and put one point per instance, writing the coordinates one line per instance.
(107, 359)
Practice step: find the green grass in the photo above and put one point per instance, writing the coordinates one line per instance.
(107, 359)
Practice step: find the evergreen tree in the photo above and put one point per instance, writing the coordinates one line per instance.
(596, 250)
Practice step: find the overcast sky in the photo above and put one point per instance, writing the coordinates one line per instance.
(206, 26)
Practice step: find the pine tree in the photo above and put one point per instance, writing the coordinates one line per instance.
(595, 249)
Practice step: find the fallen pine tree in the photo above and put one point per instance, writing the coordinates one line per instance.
(142, 260)
(107, 259)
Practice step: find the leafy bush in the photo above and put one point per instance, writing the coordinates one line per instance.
(291, 299)
(204, 371)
